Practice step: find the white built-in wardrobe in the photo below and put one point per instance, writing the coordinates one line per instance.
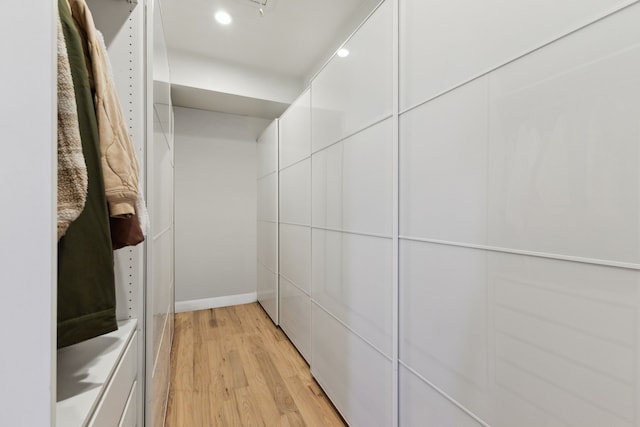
(449, 216)
(119, 379)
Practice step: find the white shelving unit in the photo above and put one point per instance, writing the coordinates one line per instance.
(92, 374)
(99, 382)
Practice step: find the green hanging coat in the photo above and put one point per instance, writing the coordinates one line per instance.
(86, 282)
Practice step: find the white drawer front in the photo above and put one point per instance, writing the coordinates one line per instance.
(112, 405)
(130, 414)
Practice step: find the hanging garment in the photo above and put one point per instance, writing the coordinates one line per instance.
(143, 214)
(124, 231)
(72, 170)
(119, 162)
(86, 282)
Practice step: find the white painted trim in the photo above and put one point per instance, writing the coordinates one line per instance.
(206, 303)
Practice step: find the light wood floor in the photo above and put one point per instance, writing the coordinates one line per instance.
(232, 367)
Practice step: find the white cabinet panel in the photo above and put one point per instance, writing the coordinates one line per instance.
(157, 399)
(443, 169)
(268, 198)
(161, 287)
(112, 404)
(295, 193)
(268, 291)
(267, 245)
(444, 44)
(353, 92)
(352, 279)
(522, 340)
(355, 376)
(326, 187)
(162, 201)
(268, 150)
(443, 312)
(109, 364)
(352, 182)
(421, 405)
(130, 414)
(565, 144)
(295, 255)
(295, 316)
(295, 131)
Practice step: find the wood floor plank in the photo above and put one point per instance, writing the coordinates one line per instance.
(180, 409)
(295, 419)
(310, 400)
(182, 353)
(230, 414)
(246, 403)
(201, 358)
(239, 376)
(232, 366)
(276, 385)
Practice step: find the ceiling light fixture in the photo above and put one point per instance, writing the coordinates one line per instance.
(343, 53)
(223, 17)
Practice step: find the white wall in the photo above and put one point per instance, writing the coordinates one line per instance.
(216, 195)
(28, 228)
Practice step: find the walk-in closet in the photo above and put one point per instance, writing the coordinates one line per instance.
(373, 213)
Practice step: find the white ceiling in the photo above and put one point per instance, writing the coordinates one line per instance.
(289, 42)
(290, 39)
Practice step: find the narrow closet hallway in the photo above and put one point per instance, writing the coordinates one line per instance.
(363, 213)
(232, 367)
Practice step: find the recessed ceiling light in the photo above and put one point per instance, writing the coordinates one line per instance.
(343, 53)
(223, 17)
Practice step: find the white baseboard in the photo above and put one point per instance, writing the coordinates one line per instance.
(207, 303)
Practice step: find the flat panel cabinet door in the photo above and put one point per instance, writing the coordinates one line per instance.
(453, 42)
(295, 131)
(352, 214)
(295, 224)
(267, 226)
(355, 376)
(295, 316)
(355, 91)
(114, 401)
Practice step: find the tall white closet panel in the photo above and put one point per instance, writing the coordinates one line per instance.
(160, 243)
(28, 230)
(352, 244)
(267, 227)
(444, 45)
(295, 223)
(520, 254)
